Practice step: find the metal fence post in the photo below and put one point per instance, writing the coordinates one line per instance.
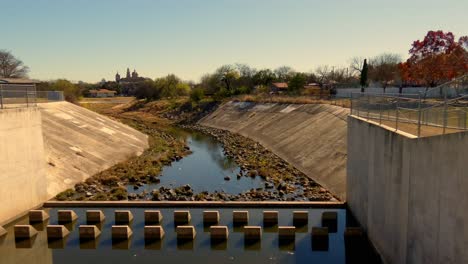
(397, 113)
(368, 106)
(445, 111)
(1, 96)
(380, 113)
(445, 117)
(419, 117)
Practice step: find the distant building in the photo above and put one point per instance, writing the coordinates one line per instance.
(129, 77)
(101, 93)
(130, 82)
(278, 87)
(314, 89)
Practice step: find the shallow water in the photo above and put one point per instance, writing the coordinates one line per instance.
(204, 169)
(169, 250)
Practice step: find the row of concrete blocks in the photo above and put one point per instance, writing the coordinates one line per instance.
(329, 219)
(122, 232)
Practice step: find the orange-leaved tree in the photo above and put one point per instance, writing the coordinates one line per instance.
(436, 59)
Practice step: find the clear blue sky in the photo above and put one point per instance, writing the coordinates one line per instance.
(92, 39)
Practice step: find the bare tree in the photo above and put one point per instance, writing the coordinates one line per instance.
(356, 64)
(283, 73)
(383, 68)
(11, 67)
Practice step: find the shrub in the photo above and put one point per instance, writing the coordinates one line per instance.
(197, 94)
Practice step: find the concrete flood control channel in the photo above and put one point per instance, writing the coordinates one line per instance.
(264, 240)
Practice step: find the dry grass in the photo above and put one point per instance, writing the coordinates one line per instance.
(282, 99)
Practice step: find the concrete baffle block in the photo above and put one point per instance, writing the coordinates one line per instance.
(89, 232)
(154, 233)
(320, 238)
(2, 231)
(38, 216)
(270, 217)
(210, 217)
(186, 232)
(240, 217)
(95, 216)
(252, 233)
(153, 217)
(286, 232)
(182, 217)
(57, 231)
(330, 220)
(123, 216)
(24, 231)
(300, 218)
(353, 235)
(121, 232)
(219, 232)
(66, 216)
(320, 232)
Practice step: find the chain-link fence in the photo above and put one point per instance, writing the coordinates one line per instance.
(412, 113)
(25, 95)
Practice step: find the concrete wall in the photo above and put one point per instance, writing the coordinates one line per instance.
(80, 143)
(409, 194)
(311, 137)
(48, 149)
(22, 167)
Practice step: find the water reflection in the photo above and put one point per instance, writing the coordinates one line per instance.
(301, 249)
(204, 169)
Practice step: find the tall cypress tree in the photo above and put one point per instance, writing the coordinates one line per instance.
(364, 71)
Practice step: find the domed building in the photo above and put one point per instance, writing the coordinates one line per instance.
(130, 82)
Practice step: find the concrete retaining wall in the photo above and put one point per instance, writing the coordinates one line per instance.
(79, 143)
(410, 195)
(46, 150)
(23, 179)
(311, 137)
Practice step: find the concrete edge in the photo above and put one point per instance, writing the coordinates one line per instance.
(392, 129)
(20, 215)
(194, 204)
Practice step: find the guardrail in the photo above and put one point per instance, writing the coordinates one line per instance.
(417, 112)
(21, 96)
(413, 111)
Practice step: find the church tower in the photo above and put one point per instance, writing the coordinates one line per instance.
(134, 74)
(117, 77)
(128, 73)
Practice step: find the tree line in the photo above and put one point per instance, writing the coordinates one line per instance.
(438, 58)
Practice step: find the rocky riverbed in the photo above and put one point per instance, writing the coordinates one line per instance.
(281, 181)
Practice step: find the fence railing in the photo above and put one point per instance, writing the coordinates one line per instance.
(20, 96)
(412, 113)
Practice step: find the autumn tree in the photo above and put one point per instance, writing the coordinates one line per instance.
(12, 67)
(436, 59)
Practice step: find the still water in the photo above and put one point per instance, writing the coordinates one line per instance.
(169, 250)
(204, 169)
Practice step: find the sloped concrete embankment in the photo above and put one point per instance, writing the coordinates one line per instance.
(80, 143)
(311, 137)
(48, 149)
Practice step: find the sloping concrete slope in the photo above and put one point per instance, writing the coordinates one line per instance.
(311, 137)
(79, 143)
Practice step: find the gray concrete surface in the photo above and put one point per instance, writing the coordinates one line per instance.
(311, 137)
(79, 143)
(46, 150)
(22, 165)
(409, 194)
